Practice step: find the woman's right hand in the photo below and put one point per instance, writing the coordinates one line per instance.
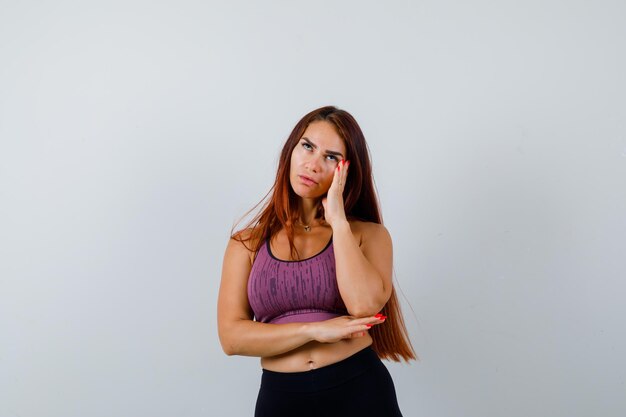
(343, 327)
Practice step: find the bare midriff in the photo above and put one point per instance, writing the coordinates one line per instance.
(314, 355)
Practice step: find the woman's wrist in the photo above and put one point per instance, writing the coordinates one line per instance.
(308, 330)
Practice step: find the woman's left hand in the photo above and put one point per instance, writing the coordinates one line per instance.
(334, 210)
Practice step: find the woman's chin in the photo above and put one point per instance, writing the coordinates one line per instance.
(311, 194)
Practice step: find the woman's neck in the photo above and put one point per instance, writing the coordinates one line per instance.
(308, 210)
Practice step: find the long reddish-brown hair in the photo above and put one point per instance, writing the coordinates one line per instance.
(391, 341)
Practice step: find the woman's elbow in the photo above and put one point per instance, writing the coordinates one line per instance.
(228, 348)
(365, 310)
(227, 343)
(368, 308)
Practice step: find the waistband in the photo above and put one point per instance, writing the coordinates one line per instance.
(321, 378)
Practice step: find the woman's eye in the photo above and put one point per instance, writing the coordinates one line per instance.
(309, 147)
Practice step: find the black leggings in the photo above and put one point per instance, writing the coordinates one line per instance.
(358, 386)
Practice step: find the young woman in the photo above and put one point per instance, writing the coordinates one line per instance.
(307, 285)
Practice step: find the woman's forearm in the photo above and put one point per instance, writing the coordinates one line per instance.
(361, 286)
(251, 338)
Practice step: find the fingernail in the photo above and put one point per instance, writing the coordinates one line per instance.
(378, 315)
(368, 325)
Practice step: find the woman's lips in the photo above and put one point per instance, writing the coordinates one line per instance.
(307, 180)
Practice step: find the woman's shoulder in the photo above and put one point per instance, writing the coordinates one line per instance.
(243, 234)
(365, 225)
(246, 240)
(367, 230)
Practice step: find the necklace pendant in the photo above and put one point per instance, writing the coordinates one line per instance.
(307, 228)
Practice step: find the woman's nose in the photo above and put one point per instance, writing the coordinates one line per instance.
(314, 163)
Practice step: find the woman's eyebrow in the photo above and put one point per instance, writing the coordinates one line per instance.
(315, 146)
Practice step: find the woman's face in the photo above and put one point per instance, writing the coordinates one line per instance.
(316, 156)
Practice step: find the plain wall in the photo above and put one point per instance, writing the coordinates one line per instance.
(133, 134)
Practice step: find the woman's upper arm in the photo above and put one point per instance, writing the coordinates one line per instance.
(377, 247)
(232, 303)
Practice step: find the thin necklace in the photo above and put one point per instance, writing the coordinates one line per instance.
(307, 228)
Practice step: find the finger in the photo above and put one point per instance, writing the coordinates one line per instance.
(370, 320)
(344, 172)
(363, 320)
(337, 177)
(370, 323)
(360, 329)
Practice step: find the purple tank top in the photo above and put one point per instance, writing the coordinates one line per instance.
(294, 291)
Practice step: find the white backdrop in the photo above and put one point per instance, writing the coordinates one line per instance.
(134, 133)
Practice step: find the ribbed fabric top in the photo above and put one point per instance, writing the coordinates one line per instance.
(294, 291)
